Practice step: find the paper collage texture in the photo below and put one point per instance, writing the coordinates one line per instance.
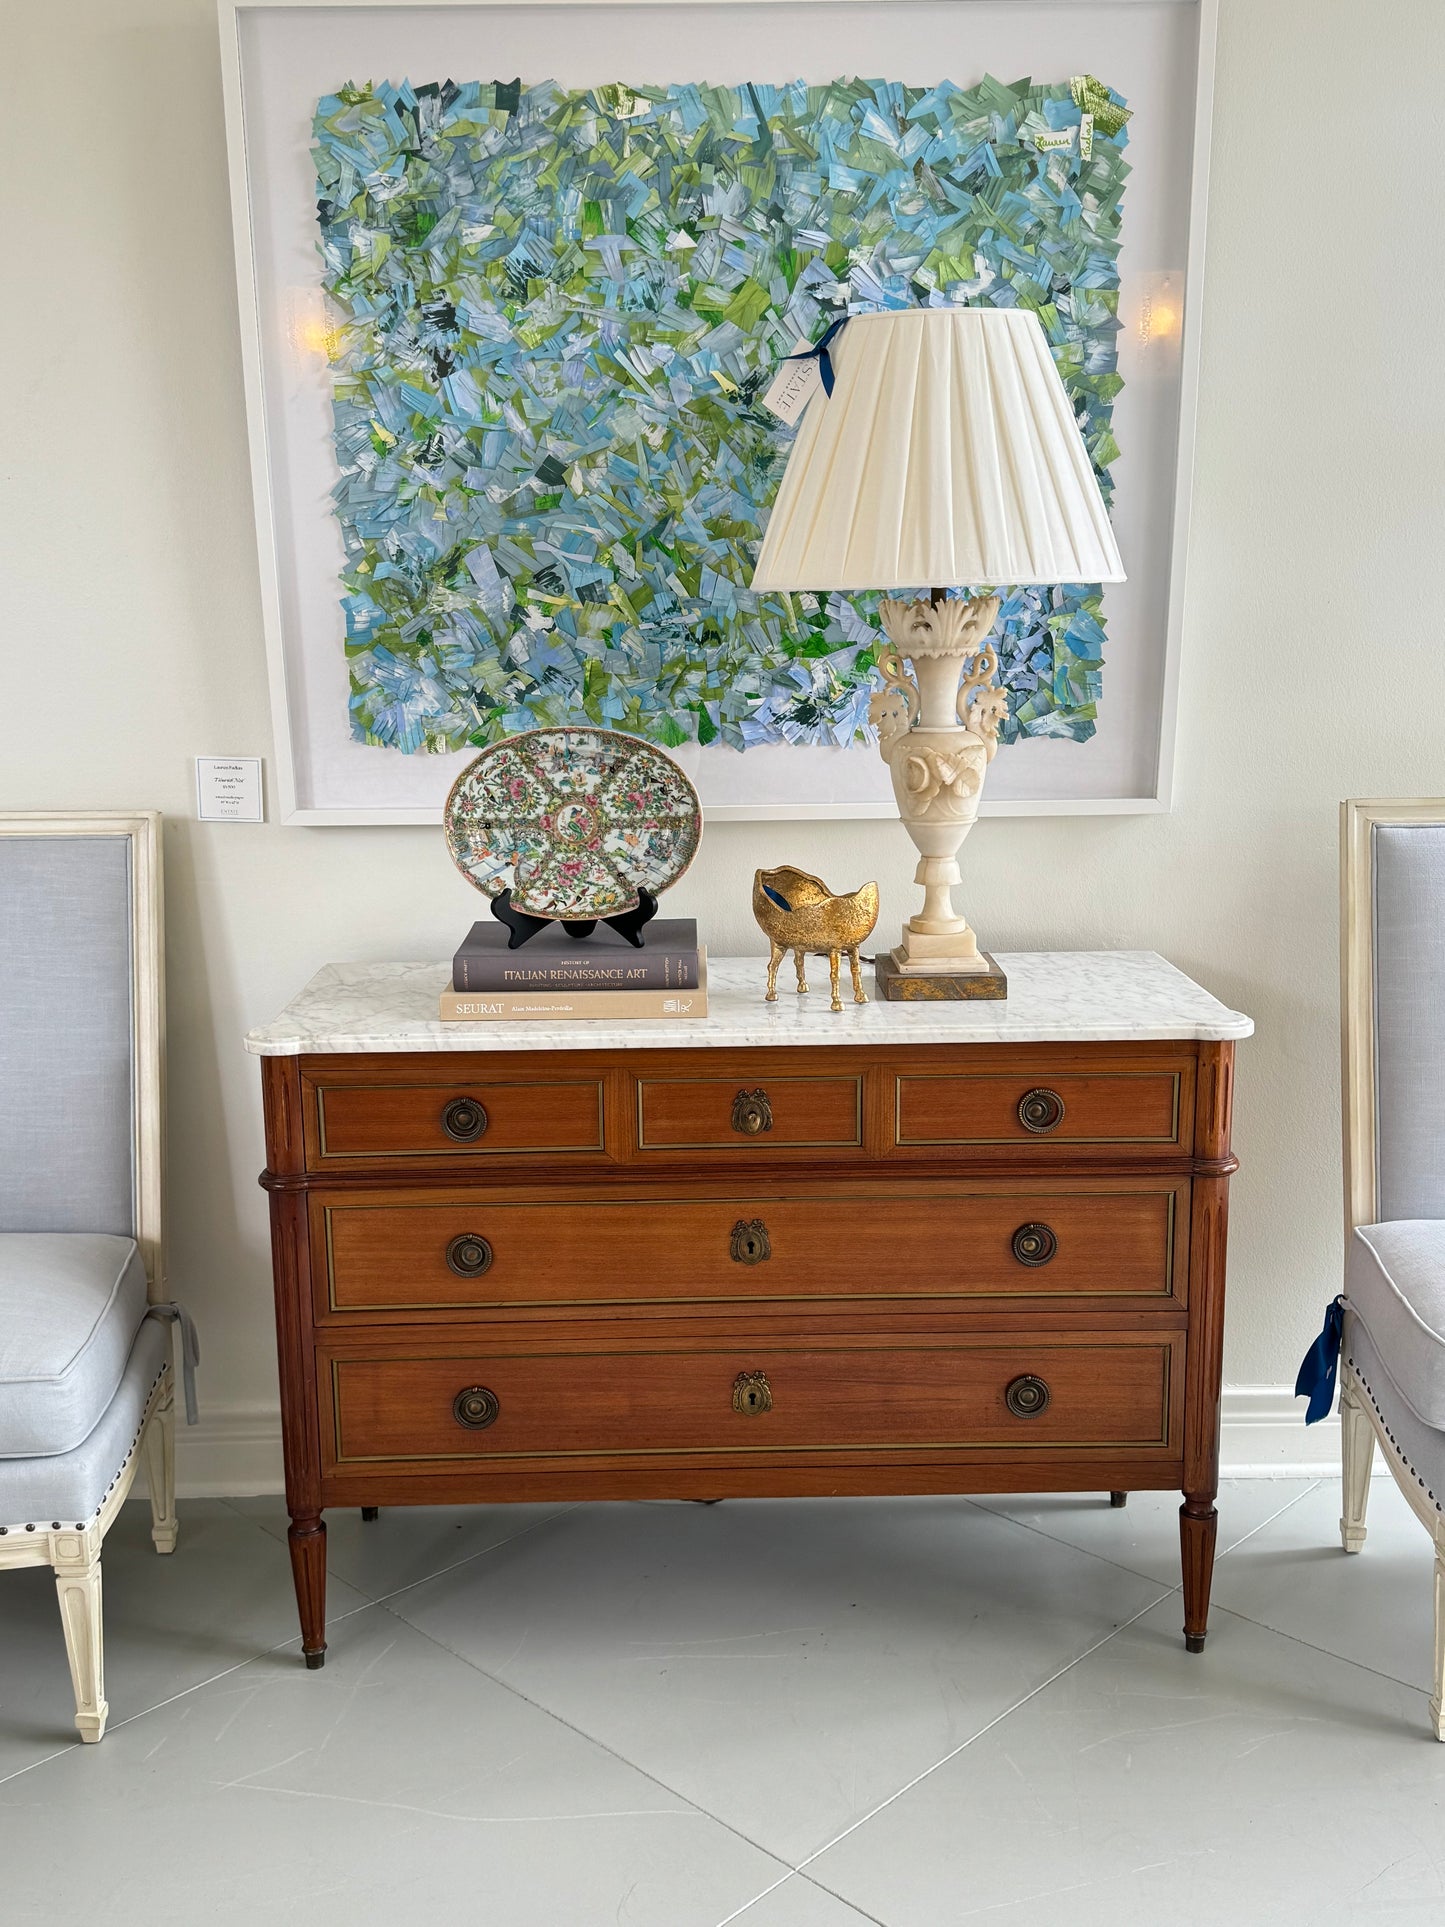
(554, 315)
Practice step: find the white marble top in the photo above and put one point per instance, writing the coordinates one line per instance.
(1054, 996)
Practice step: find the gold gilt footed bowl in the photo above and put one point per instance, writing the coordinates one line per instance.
(799, 912)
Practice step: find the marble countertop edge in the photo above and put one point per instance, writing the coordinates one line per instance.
(1055, 997)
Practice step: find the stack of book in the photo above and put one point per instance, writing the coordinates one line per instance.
(557, 977)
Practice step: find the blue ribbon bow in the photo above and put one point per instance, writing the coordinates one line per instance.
(819, 353)
(190, 1350)
(1320, 1364)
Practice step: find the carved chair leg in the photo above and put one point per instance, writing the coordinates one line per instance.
(1198, 1524)
(307, 1540)
(1118, 1500)
(370, 1514)
(77, 1584)
(833, 962)
(776, 954)
(1357, 1451)
(1437, 1698)
(160, 1458)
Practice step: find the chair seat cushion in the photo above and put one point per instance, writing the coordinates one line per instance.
(1395, 1283)
(70, 1306)
(71, 1488)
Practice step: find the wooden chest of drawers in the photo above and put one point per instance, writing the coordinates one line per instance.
(926, 1258)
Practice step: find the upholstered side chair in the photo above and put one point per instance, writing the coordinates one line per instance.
(85, 1328)
(1392, 1335)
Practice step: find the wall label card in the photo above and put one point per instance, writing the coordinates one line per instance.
(228, 789)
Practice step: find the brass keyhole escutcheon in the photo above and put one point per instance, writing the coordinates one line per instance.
(752, 1113)
(752, 1394)
(464, 1119)
(750, 1244)
(1027, 1396)
(1040, 1110)
(469, 1254)
(476, 1408)
(1034, 1244)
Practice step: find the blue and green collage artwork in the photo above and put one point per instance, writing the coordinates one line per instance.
(554, 315)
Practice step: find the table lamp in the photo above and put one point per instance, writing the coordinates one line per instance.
(946, 454)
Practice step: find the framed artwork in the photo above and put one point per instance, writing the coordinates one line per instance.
(514, 280)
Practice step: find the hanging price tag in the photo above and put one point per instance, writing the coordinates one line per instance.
(795, 384)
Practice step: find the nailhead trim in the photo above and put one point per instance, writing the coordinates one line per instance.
(1391, 1436)
(81, 1524)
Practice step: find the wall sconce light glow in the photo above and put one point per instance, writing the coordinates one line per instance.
(1161, 309)
(311, 331)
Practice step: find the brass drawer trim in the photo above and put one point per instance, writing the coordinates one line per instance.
(738, 1143)
(488, 1307)
(1003, 1443)
(476, 1147)
(1037, 1140)
(494, 1305)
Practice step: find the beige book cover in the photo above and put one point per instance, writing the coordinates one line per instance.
(567, 1006)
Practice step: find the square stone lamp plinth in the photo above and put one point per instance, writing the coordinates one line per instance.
(947, 454)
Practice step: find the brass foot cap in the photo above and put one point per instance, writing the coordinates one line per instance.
(1194, 1642)
(315, 1661)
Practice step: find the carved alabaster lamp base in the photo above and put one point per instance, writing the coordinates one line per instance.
(938, 721)
(944, 449)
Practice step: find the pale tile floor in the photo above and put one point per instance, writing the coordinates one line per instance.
(782, 1713)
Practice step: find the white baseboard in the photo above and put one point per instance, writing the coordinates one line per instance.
(1262, 1435)
(235, 1451)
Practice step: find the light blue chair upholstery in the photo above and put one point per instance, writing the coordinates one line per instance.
(66, 1148)
(85, 1371)
(1392, 1336)
(1409, 952)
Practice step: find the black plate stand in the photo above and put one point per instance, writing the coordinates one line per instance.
(522, 928)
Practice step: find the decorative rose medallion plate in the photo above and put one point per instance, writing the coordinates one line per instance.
(573, 822)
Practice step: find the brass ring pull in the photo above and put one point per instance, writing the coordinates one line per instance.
(464, 1119)
(1034, 1244)
(476, 1408)
(1027, 1396)
(752, 1394)
(1040, 1110)
(750, 1244)
(469, 1254)
(752, 1113)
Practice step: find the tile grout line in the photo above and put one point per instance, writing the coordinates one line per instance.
(411, 1585)
(592, 1739)
(339, 1618)
(1149, 1577)
(278, 1538)
(1324, 1652)
(1172, 1591)
(281, 1646)
(963, 1746)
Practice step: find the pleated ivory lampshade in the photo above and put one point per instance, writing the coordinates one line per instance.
(947, 456)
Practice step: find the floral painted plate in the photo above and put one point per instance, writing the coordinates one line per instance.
(573, 822)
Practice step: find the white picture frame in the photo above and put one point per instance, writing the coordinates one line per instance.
(321, 776)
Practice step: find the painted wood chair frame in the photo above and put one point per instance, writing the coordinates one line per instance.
(73, 1550)
(1361, 1423)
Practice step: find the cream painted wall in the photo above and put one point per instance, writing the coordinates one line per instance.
(1313, 666)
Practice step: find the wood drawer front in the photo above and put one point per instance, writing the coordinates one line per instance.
(1102, 1393)
(1094, 1242)
(1137, 1109)
(386, 1121)
(707, 1113)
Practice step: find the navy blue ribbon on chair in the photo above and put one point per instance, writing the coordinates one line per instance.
(1320, 1365)
(819, 353)
(190, 1350)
